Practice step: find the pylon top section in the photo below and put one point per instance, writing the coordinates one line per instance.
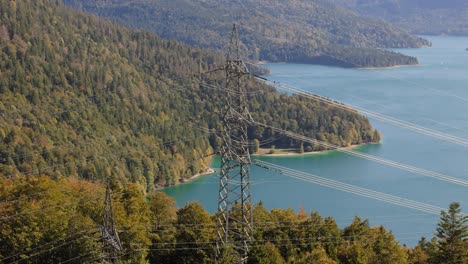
(234, 50)
(234, 64)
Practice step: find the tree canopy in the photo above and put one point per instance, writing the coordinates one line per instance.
(84, 97)
(452, 236)
(272, 30)
(424, 17)
(48, 221)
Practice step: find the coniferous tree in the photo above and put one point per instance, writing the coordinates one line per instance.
(452, 236)
(284, 33)
(69, 81)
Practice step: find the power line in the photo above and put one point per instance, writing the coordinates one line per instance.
(283, 223)
(304, 224)
(46, 244)
(273, 226)
(361, 66)
(79, 257)
(218, 88)
(64, 205)
(49, 208)
(23, 197)
(71, 145)
(43, 192)
(320, 239)
(58, 165)
(205, 244)
(351, 188)
(234, 218)
(49, 249)
(445, 124)
(394, 164)
(118, 256)
(378, 116)
(394, 77)
(398, 165)
(95, 96)
(47, 191)
(389, 107)
(232, 181)
(5, 159)
(18, 157)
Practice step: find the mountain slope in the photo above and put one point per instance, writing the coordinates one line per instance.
(431, 17)
(80, 96)
(278, 31)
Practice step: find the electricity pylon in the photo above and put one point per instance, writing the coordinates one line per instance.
(234, 219)
(110, 239)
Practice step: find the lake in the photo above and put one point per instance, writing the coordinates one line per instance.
(433, 95)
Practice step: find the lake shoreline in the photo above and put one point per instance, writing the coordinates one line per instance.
(409, 102)
(260, 63)
(388, 67)
(291, 154)
(207, 172)
(210, 171)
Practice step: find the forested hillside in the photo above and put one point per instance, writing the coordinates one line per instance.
(430, 17)
(272, 30)
(45, 221)
(80, 96)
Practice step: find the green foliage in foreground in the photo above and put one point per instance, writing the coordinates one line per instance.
(82, 97)
(48, 221)
(279, 31)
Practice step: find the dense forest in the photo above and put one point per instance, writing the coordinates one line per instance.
(48, 221)
(277, 31)
(80, 96)
(83, 99)
(425, 17)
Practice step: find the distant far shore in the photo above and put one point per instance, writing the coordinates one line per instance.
(259, 63)
(389, 67)
(264, 152)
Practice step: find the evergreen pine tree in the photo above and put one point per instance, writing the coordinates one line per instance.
(452, 234)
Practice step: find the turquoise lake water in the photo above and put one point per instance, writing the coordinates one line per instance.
(433, 95)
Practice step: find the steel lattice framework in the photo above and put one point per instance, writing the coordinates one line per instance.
(110, 239)
(234, 219)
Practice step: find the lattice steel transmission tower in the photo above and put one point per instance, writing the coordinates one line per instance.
(110, 239)
(234, 219)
